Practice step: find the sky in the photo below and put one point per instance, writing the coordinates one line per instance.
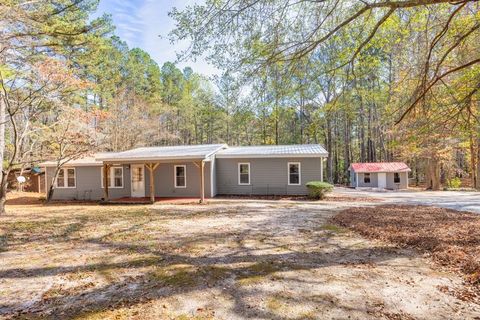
(145, 24)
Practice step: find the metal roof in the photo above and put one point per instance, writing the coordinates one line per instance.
(380, 167)
(164, 153)
(198, 152)
(90, 160)
(274, 151)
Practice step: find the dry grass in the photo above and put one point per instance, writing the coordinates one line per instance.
(451, 237)
(230, 260)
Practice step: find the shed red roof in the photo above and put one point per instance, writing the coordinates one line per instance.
(380, 167)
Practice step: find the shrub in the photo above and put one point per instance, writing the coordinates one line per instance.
(454, 183)
(318, 189)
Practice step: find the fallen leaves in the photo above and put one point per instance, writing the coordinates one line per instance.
(450, 237)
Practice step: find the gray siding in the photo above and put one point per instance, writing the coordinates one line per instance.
(88, 185)
(165, 181)
(267, 176)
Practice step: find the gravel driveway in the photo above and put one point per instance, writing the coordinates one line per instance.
(458, 200)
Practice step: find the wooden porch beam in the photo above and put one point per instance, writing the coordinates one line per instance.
(151, 169)
(106, 170)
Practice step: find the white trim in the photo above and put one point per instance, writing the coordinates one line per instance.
(65, 178)
(175, 175)
(112, 178)
(212, 167)
(356, 179)
(238, 174)
(321, 169)
(299, 174)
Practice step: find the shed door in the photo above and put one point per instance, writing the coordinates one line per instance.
(138, 180)
(382, 180)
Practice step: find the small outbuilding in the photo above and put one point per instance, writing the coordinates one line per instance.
(382, 175)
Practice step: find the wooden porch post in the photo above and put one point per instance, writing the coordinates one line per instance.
(106, 169)
(202, 181)
(151, 169)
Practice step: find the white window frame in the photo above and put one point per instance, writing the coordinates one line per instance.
(112, 177)
(238, 173)
(299, 174)
(175, 175)
(65, 178)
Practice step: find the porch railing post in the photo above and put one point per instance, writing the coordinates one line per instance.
(106, 170)
(151, 169)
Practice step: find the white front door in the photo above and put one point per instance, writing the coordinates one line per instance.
(138, 180)
(382, 180)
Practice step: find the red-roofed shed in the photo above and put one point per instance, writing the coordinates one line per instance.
(382, 175)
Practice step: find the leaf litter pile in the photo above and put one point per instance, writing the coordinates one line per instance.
(450, 237)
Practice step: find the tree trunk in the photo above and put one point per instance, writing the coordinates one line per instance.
(52, 183)
(477, 186)
(3, 192)
(432, 172)
(3, 172)
(49, 193)
(347, 151)
(329, 150)
(473, 162)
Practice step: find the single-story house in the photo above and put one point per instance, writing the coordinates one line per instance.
(189, 171)
(382, 175)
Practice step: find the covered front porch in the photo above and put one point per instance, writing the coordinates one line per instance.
(160, 172)
(148, 182)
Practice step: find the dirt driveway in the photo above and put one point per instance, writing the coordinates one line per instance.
(225, 260)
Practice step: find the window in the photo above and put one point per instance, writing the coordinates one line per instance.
(115, 177)
(396, 177)
(180, 176)
(66, 178)
(366, 177)
(294, 173)
(244, 173)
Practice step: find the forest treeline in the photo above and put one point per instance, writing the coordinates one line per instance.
(371, 82)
